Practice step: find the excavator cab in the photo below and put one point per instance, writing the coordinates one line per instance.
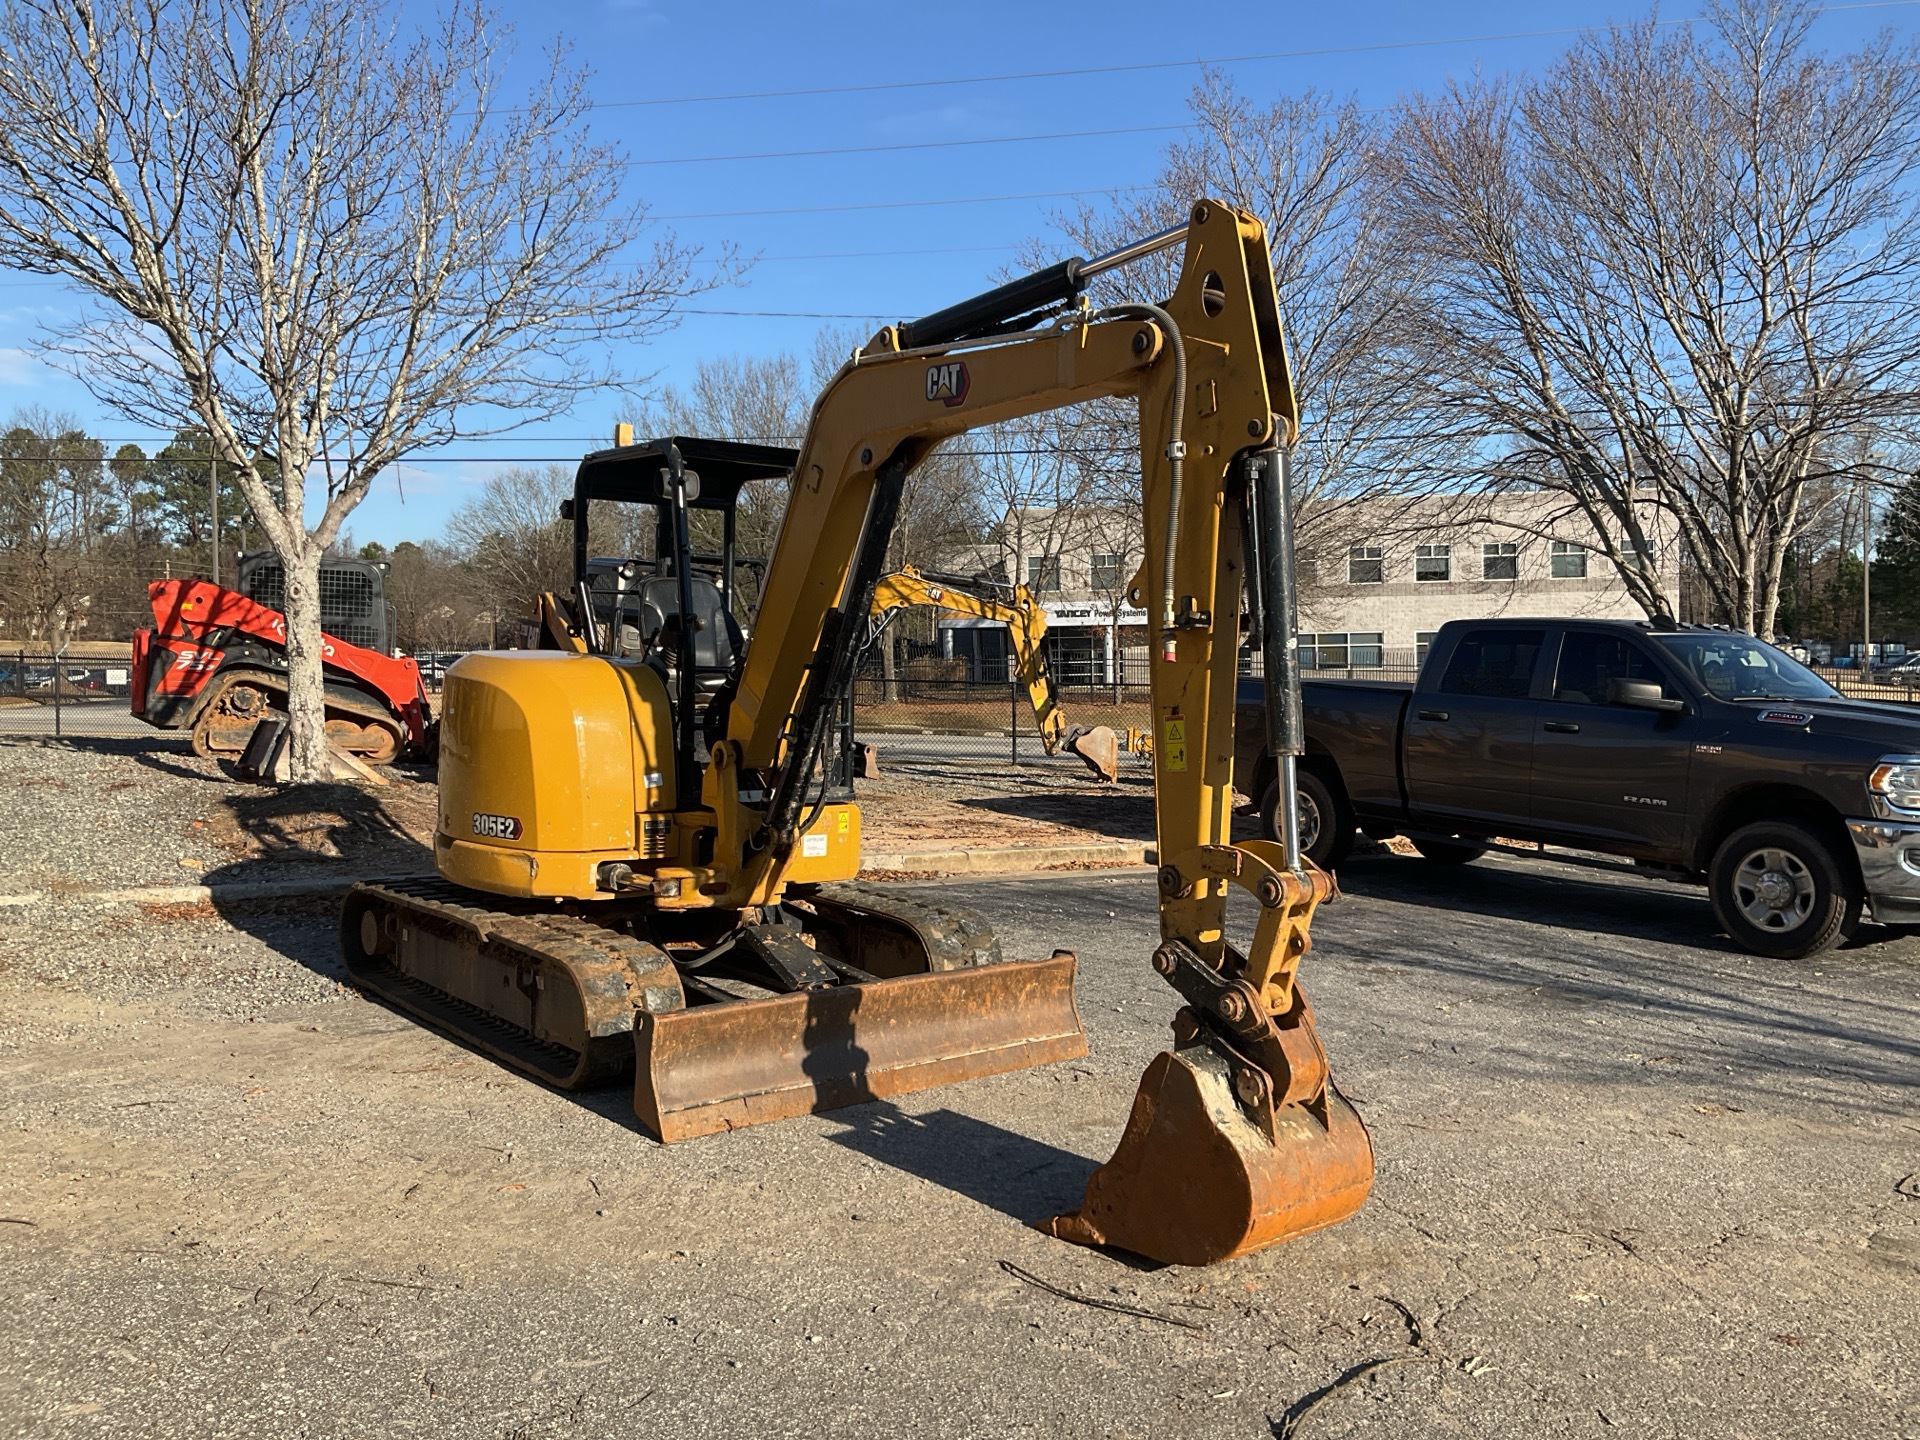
(678, 519)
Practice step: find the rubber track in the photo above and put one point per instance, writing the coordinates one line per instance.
(342, 700)
(954, 936)
(614, 972)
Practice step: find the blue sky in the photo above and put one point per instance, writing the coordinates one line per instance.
(821, 254)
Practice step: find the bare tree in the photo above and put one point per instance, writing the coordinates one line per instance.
(512, 539)
(328, 240)
(768, 401)
(1300, 163)
(430, 588)
(762, 400)
(1676, 276)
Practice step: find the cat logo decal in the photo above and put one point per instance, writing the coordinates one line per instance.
(947, 382)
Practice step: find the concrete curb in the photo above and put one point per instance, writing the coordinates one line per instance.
(199, 894)
(1000, 860)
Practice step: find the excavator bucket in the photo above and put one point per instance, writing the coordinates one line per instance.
(723, 1066)
(1099, 749)
(1195, 1180)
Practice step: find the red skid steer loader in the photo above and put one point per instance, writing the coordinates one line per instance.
(215, 663)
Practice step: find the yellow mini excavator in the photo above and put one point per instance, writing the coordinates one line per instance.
(1096, 745)
(647, 848)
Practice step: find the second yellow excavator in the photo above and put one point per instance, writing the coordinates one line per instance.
(647, 850)
(1097, 747)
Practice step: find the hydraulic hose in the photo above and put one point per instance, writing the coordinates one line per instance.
(1176, 456)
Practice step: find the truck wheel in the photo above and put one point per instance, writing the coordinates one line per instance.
(1326, 827)
(1780, 891)
(1450, 852)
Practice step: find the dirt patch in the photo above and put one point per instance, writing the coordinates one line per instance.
(326, 822)
(184, 910)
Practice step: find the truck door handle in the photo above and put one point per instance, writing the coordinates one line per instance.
(1433, 714)
(1562, 727)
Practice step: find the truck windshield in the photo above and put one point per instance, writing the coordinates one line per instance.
(1739, 667)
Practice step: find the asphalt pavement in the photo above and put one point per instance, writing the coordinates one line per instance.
(92, 717)
(1630, 1182)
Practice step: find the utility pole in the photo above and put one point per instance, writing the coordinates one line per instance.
(213, 494)
(1866, 575)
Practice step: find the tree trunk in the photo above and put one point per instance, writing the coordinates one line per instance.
(890, 682)
(310, 759)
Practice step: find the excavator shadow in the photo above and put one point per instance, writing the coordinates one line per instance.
(1014, 1174)
(300, 836)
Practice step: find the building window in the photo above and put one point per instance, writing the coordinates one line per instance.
(1422, 643)
(1043, 574)
(1342, 650)
(1365, 565)
(1500, 562)
(1106, 571)
(1569, 560)
(1433, 562)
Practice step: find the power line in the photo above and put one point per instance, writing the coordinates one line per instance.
(53, 281)
(904, 204)
(790, 314)
(891, 254)
(1078, 72)
(56, 281)
(913, 145)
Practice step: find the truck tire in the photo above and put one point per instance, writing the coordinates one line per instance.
(1326, 825)
(1780, 890)
(1449, 852)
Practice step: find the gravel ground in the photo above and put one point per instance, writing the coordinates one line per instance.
(92, 812)
(1630, 1182)
(104, 812)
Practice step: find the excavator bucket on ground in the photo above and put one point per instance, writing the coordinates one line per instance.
(1194, 1180)
(722, 1066)
(1237, 1139)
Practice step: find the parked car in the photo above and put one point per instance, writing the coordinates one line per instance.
(1905, 671)
(1700, 753)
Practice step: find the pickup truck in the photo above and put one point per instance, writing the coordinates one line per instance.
(1697, 752)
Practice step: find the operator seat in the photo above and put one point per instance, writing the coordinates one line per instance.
(716, 638)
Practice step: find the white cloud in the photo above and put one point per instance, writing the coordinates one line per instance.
(17, 367)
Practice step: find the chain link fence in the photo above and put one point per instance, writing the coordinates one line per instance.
(931, 712)
(43, 693)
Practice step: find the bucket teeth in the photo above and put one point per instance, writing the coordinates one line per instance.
(1195, 1181)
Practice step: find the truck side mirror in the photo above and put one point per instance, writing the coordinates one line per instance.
(1642, 695)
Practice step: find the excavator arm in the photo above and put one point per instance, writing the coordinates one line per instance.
(1237, 1139)
(1026, 625)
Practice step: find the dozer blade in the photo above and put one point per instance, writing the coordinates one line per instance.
(1098, 749)
(723, 1066)
(1195, 1181)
